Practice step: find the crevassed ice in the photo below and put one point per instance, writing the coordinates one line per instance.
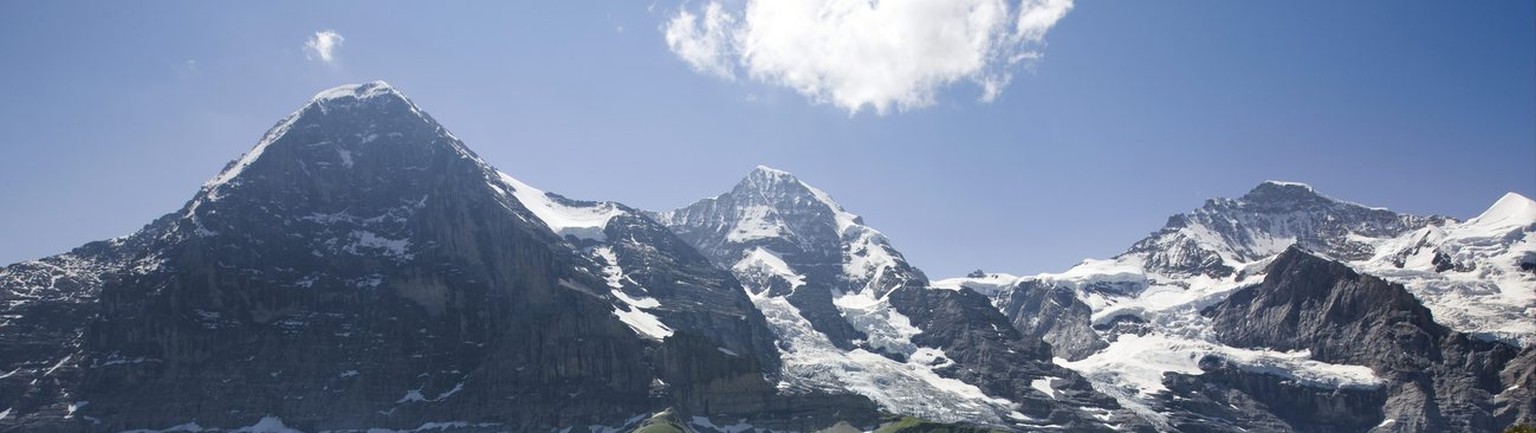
(812, 362)
(1485, 292)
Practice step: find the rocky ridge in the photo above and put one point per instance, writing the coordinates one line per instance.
(1134, 323)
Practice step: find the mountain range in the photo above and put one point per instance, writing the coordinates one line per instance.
(361, 269)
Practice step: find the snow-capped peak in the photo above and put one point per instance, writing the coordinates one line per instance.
(767, 171)
(870, 253)
(376, 94)
(360, 91)
(379, 101)
(1227, 234)
(1475, 276)
(1511, 210)
(1285, 193)
(773, 208)
(768, 180)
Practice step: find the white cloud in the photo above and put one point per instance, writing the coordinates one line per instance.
(704, 42)
(323, 45)
(858, 53)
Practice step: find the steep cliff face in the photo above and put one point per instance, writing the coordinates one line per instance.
(47, 305)
(1040, 309)
(1436, 379)
(664, 285)
(1515, 402)
(361, 268)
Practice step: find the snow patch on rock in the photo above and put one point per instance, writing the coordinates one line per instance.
(633, 313)
(760, 264)
(583, 222)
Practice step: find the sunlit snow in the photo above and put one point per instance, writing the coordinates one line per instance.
(585, 222)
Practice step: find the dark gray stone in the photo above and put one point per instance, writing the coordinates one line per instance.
(1437, 379)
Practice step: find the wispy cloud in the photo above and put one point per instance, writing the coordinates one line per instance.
(323, 45)
(861, 53)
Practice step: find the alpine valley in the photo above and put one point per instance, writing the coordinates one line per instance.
(361, 270)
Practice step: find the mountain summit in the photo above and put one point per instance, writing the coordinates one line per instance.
(785, 238)
(1225, 235)
(366, 132)
(772, 209)
(360, 268)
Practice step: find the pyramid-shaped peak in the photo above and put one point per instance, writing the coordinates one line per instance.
(764, 170)
(783, 184)
(765, 179)
(371, 96)
(1511, 209)
(369, 126)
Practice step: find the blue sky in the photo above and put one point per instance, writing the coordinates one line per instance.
(115, 113)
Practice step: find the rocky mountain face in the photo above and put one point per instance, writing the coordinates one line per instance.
(1055, 314)
(361, 268)
(1436, 379)
(853, 316)
(1225, 232)
(1175, 327)
(1038, 307)
(771, 218)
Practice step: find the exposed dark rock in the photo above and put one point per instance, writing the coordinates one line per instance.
(1516, 403)
(772, 210)
(1054, 314)
(1002, 361)
(695, 296)
(361, 268)
(1437, 379)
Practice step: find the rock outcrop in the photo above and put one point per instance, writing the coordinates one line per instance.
(1437, 379)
